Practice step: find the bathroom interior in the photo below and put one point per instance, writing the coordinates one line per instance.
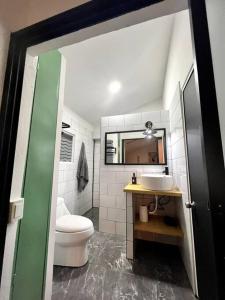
(122, 228)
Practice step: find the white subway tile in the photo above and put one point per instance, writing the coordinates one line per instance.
(61, 176)
(96, 203)
(79, 202)
(178, 149)
(61, 166)
(115, 189)
(61, 188)
(116, 120)
(176, 135)
(103, 188)
(130, 253)
(140, 126)
(104, 122)
(131, 169)
(69, 175)
(165, 125)
(121, 201)
(153, 116)
(130, 230)
(132, 119)
(107, 176)
(115, 169)
(165, 116)
(107, 201)
(130, 214)
(111, 214)
(113, 178)
(107, 226)
(96, 196)
(121, 228)
(115, 214)
(123, 177)
(103, 213)
(96, 187)
(70, 186)
(129, 200)
(184, 184)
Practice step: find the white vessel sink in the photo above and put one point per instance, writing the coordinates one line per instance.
(157, 182)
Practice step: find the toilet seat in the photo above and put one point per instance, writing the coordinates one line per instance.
(73, 224)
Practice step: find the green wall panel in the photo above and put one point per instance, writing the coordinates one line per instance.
(32, 239)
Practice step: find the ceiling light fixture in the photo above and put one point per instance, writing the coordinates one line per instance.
(114, 86)
(149, 132)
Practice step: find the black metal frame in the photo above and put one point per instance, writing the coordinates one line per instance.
(127, 131)
(92, 13)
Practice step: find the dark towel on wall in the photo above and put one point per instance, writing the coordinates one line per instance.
(82, 170)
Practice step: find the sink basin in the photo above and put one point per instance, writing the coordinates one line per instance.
(157, 182)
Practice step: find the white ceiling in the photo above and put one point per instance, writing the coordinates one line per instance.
(136, 56)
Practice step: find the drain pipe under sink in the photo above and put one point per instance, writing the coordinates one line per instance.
(156, 206)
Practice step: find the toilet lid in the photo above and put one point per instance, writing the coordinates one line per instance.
(73, 223)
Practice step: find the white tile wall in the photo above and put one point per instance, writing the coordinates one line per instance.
(107, 226)
(121, 228)
(130, 226)
(114, 178)
(77, 203)
(179, 171)
(130, 251)
(96, 188)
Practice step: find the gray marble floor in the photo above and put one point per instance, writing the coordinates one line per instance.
(157, 273)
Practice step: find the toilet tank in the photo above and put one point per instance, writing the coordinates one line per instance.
(61, 208)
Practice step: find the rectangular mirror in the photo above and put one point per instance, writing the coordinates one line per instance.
(133, 148)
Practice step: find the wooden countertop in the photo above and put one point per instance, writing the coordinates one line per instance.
(139, 189)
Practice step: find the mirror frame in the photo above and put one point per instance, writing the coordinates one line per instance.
(142, 130)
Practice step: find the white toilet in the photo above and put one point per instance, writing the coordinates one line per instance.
(72, 235)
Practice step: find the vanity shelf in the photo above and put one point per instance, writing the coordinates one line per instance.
(139, 189)
(157, 231)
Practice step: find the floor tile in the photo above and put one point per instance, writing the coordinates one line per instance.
(157, 273)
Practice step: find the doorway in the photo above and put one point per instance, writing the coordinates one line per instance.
(85, 82)
(17, 69)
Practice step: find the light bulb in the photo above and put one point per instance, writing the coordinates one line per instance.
(114, 87)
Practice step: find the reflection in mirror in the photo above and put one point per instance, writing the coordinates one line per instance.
(133, 148)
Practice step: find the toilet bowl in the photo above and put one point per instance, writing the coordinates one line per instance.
(72, 235)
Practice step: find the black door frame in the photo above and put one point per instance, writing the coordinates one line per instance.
(89, 14)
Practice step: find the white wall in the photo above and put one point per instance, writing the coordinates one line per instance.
(180, 176)
(150, 106)
(180, 57)
(180, 60)
(96, 133)
(18, 170)
(21, 13)
(216, 22)
(114, 178)
(77, 203)
(96, 185)
(4, 43)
